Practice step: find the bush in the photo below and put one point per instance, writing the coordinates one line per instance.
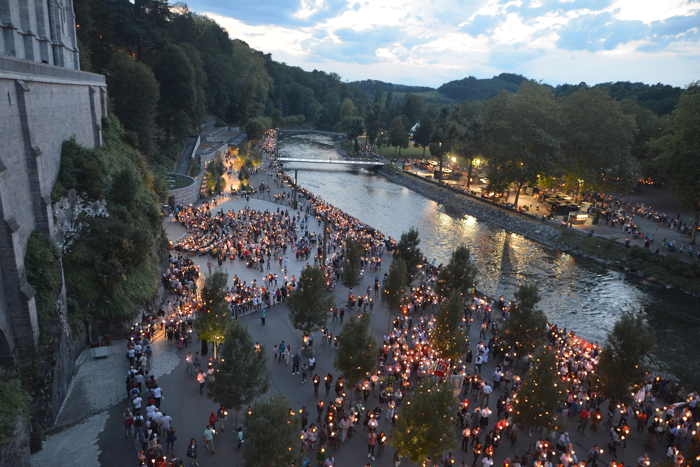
(13, 403)
(44, 275)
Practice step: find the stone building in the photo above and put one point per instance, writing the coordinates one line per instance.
(41, 31)
(44, 100)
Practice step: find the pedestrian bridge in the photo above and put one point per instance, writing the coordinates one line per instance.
(353, 161)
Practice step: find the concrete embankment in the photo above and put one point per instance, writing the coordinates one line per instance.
(638, 263)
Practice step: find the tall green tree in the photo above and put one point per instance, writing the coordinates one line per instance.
(408, 250)
(396, 283)
(135, 110)
(426, 425)
(214, 318)
(621, 364)
(599, 138)
(241, 375)
(176, 76)
(357, 350)
(522, 134)
(458, 276)
(448, 336)
(680, 149)
(542, 394)
(398, 134)
(526, 326)
(424, 134)
(413, 108)
(352, 262)
(311, 302)
(272, 434)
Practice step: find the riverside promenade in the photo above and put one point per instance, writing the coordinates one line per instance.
(190, 410)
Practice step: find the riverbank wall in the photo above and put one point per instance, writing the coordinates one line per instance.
(639, 264)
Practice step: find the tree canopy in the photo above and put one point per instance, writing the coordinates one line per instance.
(458, 276)
(310, 303)
(272, 434)
(357, 351)
(240, 374)
(426, 423)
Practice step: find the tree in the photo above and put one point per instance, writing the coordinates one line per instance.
(254, 129)
(448, 336)
(177, 79)
(541, 396)
(396, 282)
(680, 150)
(357, 350)
(354, 127)
(351, 263)
(241, 374)
(310, 303)
(135, 110)
(621, 364)
(124, 188)
(521, 134)
(272, 434)
(398, 134)
(413, 108)
(526, 325)
(426, 425)
(599, 138)
(424, 134)
(214, 318)
(408, 250)
(458, 276)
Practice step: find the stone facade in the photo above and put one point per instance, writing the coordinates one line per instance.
(41, 107)
(41, 31)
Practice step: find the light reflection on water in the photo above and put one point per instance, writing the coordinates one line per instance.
(575, 294)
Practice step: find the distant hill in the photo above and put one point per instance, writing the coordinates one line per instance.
(373, 87)
(659, 98)
(474, 89)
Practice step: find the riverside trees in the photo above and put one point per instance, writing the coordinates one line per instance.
(240, 372)
(357, 350)
(310, 303)
(425, 428)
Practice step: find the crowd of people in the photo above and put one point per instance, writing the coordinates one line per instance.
(486, 379)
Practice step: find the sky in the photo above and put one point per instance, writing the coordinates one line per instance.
(430, 42)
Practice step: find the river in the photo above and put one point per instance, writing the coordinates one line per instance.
(576, 294)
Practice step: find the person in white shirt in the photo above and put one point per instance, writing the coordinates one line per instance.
(137, 402)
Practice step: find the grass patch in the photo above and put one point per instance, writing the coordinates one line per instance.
(13, 403)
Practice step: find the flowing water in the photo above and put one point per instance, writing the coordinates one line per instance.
(576, 294)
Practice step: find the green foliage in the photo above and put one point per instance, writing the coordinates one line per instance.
(680, 148)
(241, 374)
(398, 133)
(214, 318)
(621, 364)
(256, 127)
(448, 337)
(396, 283)
(357, 350)
(113, 267)
(426, 425)
(137, 110)
(44, 275)
(472, 88)
(272, 434)
(14, 402)
(599, 138)
(407, 249)
(424, 134)
(526, 325)
(522, 135)
(80, 171)
(178, 93)
(458, 276)
(310, 304)
(351, 263)
(541, 395)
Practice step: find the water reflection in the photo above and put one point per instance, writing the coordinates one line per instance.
(575, 294)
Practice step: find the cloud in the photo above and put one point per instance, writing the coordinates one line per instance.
(428, 43)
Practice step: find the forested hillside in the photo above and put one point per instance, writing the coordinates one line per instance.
(166, 70)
